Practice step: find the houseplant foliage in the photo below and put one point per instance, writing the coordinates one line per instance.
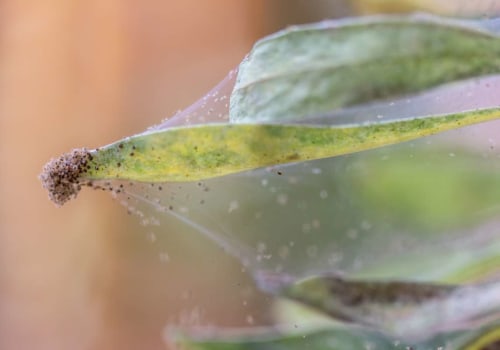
(284, 106)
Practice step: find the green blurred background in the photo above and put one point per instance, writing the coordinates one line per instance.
(85, 73)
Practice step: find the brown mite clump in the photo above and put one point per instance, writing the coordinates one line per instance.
(62, 176)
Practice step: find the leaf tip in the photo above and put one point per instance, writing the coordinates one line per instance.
(62, 176)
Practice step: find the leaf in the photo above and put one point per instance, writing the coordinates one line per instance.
(315, 69)
(206, 151)
(404, 309)
(460, 186)
(456, 8)
(459, 8)
(333, 338)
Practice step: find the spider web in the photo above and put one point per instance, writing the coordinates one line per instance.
(313, 216)
(355, 215)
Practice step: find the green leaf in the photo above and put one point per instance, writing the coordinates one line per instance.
(200, 152)
(404, 309)
(333, 338)
(314, 69)
(206, 151)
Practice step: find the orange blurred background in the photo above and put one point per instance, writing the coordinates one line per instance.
(86, 73)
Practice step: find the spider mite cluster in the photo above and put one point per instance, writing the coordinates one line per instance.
(62, 177)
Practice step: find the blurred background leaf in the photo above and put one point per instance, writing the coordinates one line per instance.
(443, 7)
(330, 338)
